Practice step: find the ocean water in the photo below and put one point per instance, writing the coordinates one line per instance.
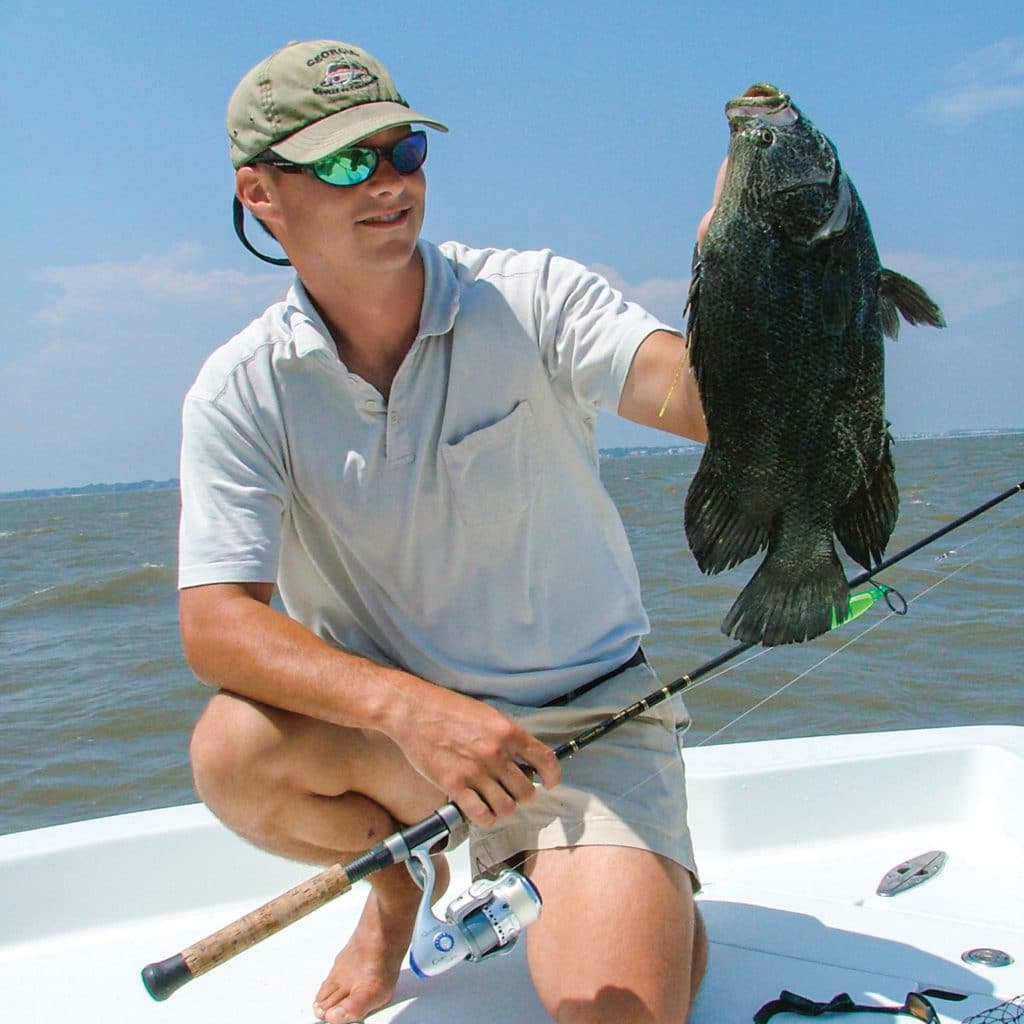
(96, 701)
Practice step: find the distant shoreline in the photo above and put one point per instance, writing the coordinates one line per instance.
(72, 492)
(628, 451)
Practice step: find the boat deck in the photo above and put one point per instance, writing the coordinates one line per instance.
(792, 837)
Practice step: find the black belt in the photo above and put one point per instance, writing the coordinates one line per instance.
(567, 698)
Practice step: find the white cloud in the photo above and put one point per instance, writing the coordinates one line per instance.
(93, 381)
(986, 81)
(963, 288)
(662, 296)
(123, 289)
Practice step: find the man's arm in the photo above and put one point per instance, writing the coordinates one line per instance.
(235, 640)
(661, 369)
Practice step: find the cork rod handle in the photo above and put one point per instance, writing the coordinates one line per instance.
(164, 978)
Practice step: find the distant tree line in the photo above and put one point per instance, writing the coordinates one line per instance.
(57, 492)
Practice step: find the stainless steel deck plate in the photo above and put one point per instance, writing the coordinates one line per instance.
(911, 873)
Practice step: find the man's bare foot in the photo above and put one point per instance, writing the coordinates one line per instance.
(365, 972)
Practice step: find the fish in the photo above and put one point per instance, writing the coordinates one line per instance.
(787, 313)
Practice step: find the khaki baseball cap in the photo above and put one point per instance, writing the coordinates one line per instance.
(309, 99)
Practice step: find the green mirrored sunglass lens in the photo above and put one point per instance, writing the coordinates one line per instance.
(355, 164)
(346, 167)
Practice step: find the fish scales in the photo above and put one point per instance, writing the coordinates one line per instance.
(787, 309)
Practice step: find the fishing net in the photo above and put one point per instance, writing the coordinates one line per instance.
(1010, 1012)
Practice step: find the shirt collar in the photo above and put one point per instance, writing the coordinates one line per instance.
(437, 317)
(440, 292)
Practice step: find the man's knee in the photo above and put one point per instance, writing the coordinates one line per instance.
(230, 752)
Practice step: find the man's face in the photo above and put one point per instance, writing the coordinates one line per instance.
(374, 224)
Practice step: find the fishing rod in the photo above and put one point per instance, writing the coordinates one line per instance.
(488, 919)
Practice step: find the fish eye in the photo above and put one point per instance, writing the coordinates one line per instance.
(766, 136)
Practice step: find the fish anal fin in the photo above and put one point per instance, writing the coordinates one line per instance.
(897, 293)
(865, 523)
(720, 531)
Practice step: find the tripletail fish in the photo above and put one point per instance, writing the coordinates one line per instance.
(787, 309)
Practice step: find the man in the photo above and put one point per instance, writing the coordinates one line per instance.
(404, 448)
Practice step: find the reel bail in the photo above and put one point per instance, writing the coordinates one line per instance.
(484, 921)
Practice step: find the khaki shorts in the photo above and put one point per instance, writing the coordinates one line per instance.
(628, 788)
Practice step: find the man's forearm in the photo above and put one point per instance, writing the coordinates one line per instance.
(236, 641)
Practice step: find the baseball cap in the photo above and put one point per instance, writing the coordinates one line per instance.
(309, 99)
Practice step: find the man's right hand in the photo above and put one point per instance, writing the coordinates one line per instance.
(473, 753)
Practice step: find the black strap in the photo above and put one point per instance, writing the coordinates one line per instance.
(238, 219)
(567, 698)
(790, 1002)
(916, 1006)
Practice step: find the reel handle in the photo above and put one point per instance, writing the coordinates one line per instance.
(164, 978)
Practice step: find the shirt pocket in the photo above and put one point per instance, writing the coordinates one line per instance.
(490, 471)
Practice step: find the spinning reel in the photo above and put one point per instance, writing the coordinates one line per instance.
(484, 921)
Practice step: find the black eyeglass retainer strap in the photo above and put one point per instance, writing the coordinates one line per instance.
(238, 218)
(790, 1002)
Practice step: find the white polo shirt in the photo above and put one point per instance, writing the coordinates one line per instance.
(459, 530)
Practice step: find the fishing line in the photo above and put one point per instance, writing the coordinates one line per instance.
(893, 611)
(796, 679)
(945, 577)
(974, 540)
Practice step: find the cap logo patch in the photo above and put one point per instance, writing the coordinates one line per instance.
(343, 73)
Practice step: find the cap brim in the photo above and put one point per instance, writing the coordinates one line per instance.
(346, 128)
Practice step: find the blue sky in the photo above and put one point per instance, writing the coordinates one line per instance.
(591, 128)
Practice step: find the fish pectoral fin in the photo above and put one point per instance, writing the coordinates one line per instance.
(720, 532)
(690, 311)
(865, 523)
(836, 295)
(694, 291)
(897, 293)
(839, 219)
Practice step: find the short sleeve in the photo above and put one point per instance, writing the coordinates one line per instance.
(233, 497)
(589, 333)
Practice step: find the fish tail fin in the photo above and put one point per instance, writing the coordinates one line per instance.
(865, 523)
(780, 606)
(719, 532)
(899, 293)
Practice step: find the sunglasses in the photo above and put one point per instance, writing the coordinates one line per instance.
(355, 164)
(915, 1005)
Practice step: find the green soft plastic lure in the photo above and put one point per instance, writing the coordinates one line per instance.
(860, 603)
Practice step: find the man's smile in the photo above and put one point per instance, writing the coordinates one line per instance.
(387, 219)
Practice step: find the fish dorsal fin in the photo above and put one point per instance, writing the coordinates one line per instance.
(898, 294)
(839, 220)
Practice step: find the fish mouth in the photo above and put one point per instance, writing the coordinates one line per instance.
(764, 101)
